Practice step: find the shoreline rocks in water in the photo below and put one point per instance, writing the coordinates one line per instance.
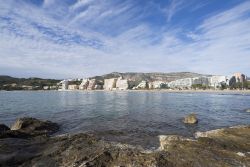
(190, 119)
(223, 147)
(35, 126)
(3, 128)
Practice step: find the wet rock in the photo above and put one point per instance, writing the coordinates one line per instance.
(167, 140)
(14, 134)
(3, 128)
(224, 147)
(34, 126)
(191, 119)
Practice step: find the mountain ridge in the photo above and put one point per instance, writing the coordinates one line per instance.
(152, 76)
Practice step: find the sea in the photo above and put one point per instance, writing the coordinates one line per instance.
(130, 117)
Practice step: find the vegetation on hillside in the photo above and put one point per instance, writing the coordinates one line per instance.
(11, 83)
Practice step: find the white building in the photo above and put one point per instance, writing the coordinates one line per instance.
(181, 83)
(201, 81)
(156, 85)
(65, 84)
(110, 84)
(122, 84)
(84, 84)
(91, 85)
(217, 81)
(142, 85)
(150, 85)
(73, 87)
(45, 87)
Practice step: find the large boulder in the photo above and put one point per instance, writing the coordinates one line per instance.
(191, 119)
(3, 128)
(34, 126)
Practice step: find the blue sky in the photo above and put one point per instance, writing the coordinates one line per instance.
(81, 38)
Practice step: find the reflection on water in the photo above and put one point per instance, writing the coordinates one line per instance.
(133, 117)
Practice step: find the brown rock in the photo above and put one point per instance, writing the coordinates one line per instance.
(35, 126)
(190, 119)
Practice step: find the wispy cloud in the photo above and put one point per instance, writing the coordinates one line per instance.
(173, 8)
(96, 37)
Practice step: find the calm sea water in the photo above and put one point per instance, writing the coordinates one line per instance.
(129, 117)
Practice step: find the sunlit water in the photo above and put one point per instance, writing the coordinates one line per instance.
(128, 117)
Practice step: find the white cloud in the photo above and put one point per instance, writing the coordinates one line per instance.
(42, 43)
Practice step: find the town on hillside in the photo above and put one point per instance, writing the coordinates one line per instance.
(131, 81)
(236, 81)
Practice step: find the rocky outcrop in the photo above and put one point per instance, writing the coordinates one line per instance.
(226, 147)
(190, 119)
(34, 126)
(3, 128)
(218, 148)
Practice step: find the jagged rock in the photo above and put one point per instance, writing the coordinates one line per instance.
(35, 126)
(166, 140)
(190, 119)
(225, 147)
(3, 128)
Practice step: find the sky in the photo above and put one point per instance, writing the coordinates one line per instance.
(82, 38)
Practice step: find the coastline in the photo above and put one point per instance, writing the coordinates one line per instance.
(33, 145)
(167, 91)
(236, 92)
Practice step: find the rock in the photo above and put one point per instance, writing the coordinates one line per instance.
(208, 133)
(241, 154)
(167, 140)
(34, 126)
(190, 119)
(248, 110)
(225, 147)
(3, 128)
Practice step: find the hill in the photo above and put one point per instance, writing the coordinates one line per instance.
(12, 83)
(166, 77)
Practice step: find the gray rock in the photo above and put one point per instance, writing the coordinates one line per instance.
(226, 147)
(191, 119)
(3, 128)
(34, 126)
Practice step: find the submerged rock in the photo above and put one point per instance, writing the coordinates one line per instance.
(191, 119)
(35, 126)
(3, 128)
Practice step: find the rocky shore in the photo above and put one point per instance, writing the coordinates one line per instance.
(29, 143)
